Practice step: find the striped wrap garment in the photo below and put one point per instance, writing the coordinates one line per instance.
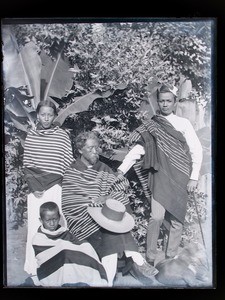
(48, 150)
(63, 260)
(166, 176)
(81, 186)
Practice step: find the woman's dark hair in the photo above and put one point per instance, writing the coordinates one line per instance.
(48, 206)
(47, 103)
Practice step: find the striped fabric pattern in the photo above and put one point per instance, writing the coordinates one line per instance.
(48, 150)
(167, 184)
(143, 177)
(62, 261)
(172, 147)
(80, 188)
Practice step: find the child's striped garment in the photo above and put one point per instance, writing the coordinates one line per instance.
(64, 261)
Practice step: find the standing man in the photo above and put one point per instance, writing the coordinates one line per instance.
(167, 157)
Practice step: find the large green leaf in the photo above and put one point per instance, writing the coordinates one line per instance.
(32, 68)
(149, 106)
(82, 103)
(56, 79)
(19, 108)
(187, 109)
(19, 122)
(21, 67)
(185, 88)
(13, 73)
(17, 102)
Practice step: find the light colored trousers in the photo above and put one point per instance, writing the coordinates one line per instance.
(174, 237)
(33, 222)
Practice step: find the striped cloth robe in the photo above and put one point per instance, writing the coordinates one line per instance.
(165, 169)
(81, 186)
(47, 153)
(64, 261)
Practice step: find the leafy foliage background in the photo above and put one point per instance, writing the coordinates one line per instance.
(118, 65)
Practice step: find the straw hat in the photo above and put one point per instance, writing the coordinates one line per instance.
(112, 216)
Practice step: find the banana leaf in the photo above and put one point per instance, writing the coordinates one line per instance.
(32, 68)
(43, 76)
(13, 73)
(149, 105)
(185, 89)
(24, 68)
(19, 122)
(21, 67)
(82, 103)
(56, 77)
(18, 108)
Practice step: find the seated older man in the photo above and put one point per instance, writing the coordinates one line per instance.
(90, 182)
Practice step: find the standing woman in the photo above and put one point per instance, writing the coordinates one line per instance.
(47, 153)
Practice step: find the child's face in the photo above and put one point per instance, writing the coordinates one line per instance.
(50, 220)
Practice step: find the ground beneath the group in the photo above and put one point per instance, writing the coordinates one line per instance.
(15, 256)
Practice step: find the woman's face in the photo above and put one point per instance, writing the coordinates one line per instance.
(46, 116)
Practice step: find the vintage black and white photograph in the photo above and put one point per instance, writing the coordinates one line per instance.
(108, 129)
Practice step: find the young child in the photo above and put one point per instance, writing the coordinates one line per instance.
(62, 259)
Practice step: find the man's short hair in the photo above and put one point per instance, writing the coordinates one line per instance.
(48, 206)
(166, 89)
(82, 138)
